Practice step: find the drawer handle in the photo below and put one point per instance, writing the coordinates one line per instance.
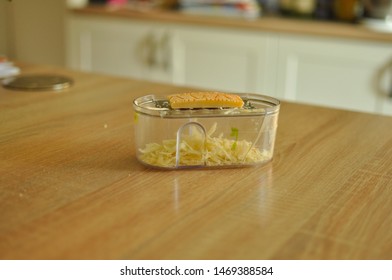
(390, 80)
(166, 51)
(148, 51)
(383, 80)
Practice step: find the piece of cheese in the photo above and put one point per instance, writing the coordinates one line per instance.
(204, 100)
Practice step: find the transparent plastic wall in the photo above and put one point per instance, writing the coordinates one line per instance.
(220, 138)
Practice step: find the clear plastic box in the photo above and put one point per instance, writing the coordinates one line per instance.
(213, 137)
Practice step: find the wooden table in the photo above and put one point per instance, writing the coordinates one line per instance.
(71, 188)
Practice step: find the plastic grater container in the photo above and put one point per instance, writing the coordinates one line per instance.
(205, 138)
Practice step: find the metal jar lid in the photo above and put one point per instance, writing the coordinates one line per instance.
(38, 82)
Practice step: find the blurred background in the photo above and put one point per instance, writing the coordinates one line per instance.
(33, 31)
(29, 28)
(335, 53)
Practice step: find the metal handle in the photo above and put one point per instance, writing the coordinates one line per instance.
(157, 50)
(147, 50)
(383, 80)
(152, 51)
(390, 81)
(165, 51)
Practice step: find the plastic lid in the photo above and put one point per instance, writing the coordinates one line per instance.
(254, 104)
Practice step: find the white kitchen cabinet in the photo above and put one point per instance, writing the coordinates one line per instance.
(338, 73)
(119, 47)
(210, 58)
(225, 59)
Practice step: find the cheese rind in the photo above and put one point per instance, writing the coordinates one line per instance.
(210, 99)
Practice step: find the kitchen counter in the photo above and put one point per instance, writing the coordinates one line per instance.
(71, 187)
(263, 24)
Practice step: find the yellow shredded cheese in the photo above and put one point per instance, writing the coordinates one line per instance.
(197, 149)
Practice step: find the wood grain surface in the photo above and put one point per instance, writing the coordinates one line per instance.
(71, 188)
(263, 24)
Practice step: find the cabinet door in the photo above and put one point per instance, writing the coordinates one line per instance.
(340, 74)
(224, 59)
(117, 47)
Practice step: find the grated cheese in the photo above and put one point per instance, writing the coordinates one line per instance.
(197, 149)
